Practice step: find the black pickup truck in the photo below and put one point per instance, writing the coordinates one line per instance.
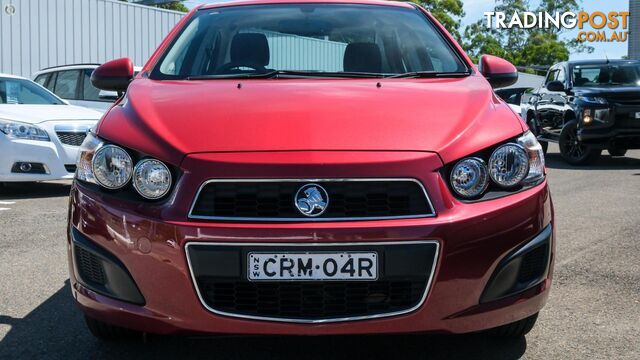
(587, 106)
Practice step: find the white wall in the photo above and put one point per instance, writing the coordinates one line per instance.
(45, 33)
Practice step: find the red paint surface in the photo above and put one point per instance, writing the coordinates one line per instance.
(118, 68)
(492, 65)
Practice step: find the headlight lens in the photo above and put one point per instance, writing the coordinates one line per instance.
(536, 157)
(469, 177)
(84, 165)
(18, 130)
(508, 165)
(514, 165)
(152, 178)
(595, 100)
(112, 166)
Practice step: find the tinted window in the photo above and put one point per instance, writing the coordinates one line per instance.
(66, 84)
(551, 76)
(310, 38)
(20, 91)
(42, 79)
(606, 75)
(89, 92)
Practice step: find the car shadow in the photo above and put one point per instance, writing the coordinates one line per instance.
(56, 330)
(605, 162)
(34, 190)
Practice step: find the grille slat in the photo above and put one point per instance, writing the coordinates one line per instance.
(273, 200)
(71, 138)
(311, 300)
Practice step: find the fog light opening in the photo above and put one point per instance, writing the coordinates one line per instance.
(25, 167)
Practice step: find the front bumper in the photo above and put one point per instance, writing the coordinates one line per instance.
(473, 240)
(57, 158)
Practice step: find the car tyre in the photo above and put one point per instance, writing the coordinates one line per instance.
(516, 329)
(111, 333)
(535, 130)
(616, 151)
(573, 150)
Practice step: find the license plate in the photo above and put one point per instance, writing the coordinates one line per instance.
(305, 266)
(638, 115)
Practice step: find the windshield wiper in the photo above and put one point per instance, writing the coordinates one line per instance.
(287, 74)
(263, 75)
(429, 74)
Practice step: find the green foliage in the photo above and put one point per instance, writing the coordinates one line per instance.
(174, 5)
(524, 47)
(448, 12)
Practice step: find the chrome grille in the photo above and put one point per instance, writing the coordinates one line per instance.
(273, 200)
(71, 138)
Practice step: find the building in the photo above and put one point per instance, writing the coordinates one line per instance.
(36, 34)
(634, 29)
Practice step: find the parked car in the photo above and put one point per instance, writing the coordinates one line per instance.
(310, 168)
(72, 83)
(587, 106)
(39, 133)
(513, 97)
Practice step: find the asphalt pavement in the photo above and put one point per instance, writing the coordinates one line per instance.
(593, 310)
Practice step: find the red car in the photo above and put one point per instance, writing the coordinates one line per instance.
(310, 167)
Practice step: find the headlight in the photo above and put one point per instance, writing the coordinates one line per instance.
(152, 178)
(18, 130)
(514, 165)
(84, 165)
(595, 100)
(112, 166)
(469, 177)
(536, 157)
(508, 165)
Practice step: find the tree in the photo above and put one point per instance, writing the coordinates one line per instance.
(524, 47)
(448, 12)
(174, 5)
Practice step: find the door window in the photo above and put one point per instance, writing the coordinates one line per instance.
(42, 79)
(67, 84)
(89, 92)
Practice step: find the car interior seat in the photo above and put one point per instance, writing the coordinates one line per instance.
(250, 50)
(362, 57)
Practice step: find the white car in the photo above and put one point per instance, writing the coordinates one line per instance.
(39, 133)
(73, 83)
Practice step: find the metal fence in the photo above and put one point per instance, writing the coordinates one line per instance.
(36, 34)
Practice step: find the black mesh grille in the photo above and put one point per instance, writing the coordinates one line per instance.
(347, 199)
(71, 138)
(312, 300)
(89, 266)
(220, 275)
(533, 264)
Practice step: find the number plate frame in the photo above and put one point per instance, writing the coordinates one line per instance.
(343, 256)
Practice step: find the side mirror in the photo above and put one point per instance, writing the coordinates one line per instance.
(114, 75)
(499, 72)
(555, 86)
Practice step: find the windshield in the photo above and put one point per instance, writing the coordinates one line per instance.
(610, 75)
(21, 91)
(325, 39)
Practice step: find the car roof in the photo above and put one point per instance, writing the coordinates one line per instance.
(12, 76)
(602, 62)
(270, 2)
(74, 67)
